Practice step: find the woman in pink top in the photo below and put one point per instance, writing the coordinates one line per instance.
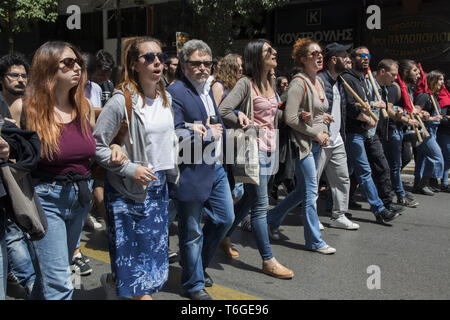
(259, 59)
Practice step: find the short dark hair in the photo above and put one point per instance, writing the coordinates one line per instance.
(353, 53)
(406, 65)
(14, 59)
(104, 60)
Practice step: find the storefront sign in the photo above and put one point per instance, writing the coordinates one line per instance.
(411, 38)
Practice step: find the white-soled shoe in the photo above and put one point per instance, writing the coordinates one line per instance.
(343, 223)
(321, 227)
(326, 249)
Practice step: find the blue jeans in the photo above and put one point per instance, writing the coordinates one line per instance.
(197, 246)
(19, 257)
(305, 192)
(358, 163)
(256, 200)
(3, 267)
(429, 161)
(444, 142)
(392, 149)
(65, 217)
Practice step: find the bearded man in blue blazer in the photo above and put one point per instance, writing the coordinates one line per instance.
(203, 178)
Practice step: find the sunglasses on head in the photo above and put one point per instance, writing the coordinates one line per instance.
(207, 64)
(150, 57)
(364, 55)
(70, 62)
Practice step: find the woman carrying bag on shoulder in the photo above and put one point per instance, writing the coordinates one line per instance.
(136, 193)
(305, 114)
(255, 90)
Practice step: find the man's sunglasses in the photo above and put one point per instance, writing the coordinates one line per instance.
(70, 62)
(15, 76)
(364, 55)
(150, 57)
(197, 64)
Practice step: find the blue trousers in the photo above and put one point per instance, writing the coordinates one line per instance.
(197, 245)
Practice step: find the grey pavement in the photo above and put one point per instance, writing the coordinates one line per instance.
(411, 258)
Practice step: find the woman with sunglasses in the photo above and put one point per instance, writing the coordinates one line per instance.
(56, 108)
(305, 114)
(136, 194)
(256, 88)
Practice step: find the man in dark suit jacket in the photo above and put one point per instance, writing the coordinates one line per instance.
(203, 179)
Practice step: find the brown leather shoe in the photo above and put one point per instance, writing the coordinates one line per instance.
(226, 246)
(275, 269)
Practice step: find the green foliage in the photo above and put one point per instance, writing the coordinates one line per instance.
(220, 16)
(16, 14)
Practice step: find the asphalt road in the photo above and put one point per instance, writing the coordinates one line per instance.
(408, 260)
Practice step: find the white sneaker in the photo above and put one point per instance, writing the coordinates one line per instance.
(326, 249)
(92, 223)
(321, 227)
(343, 223)
(110, 290)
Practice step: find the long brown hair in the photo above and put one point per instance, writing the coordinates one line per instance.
(228, 71)
(129, 79)
(39, 99)
(433, 78)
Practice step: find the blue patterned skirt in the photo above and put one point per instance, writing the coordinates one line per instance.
(138, 239)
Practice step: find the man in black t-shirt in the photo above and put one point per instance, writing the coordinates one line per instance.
(102, 74)
(390, 130)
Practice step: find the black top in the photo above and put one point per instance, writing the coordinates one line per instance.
(4, 108)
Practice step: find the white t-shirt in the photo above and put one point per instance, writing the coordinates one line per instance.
(93, 92)
(159, 134)
(334, 130)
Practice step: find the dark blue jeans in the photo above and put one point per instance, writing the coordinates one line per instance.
(197, 245)
(359, 164)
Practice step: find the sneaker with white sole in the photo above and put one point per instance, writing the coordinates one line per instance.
(110, 289)
(92, 223)
(79, 266)
(321, 227)
(343, 223)
(326, 249)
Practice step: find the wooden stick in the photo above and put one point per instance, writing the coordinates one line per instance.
(434, 105)
(363, 104)
(419, 137)
(372, 80)
(425, 131)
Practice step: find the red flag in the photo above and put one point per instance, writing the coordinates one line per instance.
(422, 85)
(407, 103)
(444, 97)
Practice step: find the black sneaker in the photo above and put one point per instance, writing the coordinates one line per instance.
(386, 216)
(407, 202)
(445, 188)
(274, 233)
(85, 258)
(395, 208)
(80, 267)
